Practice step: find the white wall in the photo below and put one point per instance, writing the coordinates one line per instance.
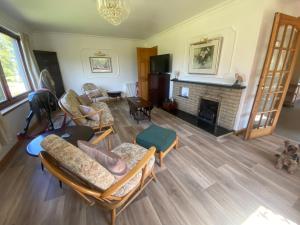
(74, 50)
(245, 26)
(15, 120)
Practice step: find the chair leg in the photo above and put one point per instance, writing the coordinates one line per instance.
(177, 143)
(133, 140)
(113, 130)
(161, 159)
(113, 216)
(108, 143)
(154, 176)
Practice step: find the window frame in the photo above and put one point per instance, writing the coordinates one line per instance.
(9, 99)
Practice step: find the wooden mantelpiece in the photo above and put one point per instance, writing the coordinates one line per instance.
(210, 84)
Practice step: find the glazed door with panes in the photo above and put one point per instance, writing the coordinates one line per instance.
(276, 76)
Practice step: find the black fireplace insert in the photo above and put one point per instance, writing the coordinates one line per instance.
(208, 111)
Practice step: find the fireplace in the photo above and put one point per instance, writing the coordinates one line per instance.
(208, 111)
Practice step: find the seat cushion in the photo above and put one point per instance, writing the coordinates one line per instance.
(84, 99)
(106, 117)
(159, 137)
(131, 154)
(78, 162)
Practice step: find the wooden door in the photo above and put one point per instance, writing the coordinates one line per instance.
(143, 61)
(49, 61)
(276, 75)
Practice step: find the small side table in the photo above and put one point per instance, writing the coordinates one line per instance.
(115, 94)
(71, 134)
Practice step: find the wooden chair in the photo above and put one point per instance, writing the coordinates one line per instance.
(82, 120)
(106, 198)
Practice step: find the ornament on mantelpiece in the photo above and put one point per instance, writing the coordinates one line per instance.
(177, 74)
(238, 80)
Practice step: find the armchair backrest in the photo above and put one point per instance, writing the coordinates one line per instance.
(89, 87)
(69, 103)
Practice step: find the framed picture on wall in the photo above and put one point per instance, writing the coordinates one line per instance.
(204, 56)
(101, 64)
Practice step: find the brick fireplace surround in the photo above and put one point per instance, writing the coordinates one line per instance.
(228, 97)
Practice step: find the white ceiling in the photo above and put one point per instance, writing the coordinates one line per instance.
(147, 17)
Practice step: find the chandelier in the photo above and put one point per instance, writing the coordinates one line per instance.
(114, 11)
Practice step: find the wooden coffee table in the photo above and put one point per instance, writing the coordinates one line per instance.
(139, 108)
(71, 134)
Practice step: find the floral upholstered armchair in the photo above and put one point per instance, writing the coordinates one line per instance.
(96, 94)
(71, 104)
(92, 180)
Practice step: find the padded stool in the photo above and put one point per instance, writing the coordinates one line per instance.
(163, 139)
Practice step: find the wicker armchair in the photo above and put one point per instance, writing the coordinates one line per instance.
(70, 102)
(90, 87)
(99, 185)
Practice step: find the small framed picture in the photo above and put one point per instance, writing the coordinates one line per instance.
(101, 64)
(204, 57)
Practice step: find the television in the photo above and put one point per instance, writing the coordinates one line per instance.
(160, 64)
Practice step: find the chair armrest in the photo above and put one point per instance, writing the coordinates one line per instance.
(102, 136)
(137, 168)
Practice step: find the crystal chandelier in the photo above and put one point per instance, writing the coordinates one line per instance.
(114, 11)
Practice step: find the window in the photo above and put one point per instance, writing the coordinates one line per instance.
(14, 85)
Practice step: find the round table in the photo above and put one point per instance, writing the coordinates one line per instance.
(70, 134)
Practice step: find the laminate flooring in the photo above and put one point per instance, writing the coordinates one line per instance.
(204, 182)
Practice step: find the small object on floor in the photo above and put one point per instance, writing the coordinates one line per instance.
(169, 105)
(289, 158)
(162, 138)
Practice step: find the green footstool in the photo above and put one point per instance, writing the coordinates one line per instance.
(163, 139)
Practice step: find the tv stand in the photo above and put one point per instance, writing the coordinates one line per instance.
(159, 88)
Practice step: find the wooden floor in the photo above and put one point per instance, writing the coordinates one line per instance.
(204, 182)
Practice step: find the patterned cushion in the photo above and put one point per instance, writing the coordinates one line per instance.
(89, 86)
(92, 87)
(84, 100)
(131, 154)
(90, 112)
(100, 99)
(71, 103)
(78, 162)
(93, 93)
(111, 161)
(106, 117)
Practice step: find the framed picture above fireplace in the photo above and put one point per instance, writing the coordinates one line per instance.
(204, 56)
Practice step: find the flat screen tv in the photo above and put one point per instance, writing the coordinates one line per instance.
(160, 64)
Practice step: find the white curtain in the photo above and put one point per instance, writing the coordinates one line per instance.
(30, 61)
(3, 132)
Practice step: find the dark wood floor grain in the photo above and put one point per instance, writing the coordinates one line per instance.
(204, 182)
